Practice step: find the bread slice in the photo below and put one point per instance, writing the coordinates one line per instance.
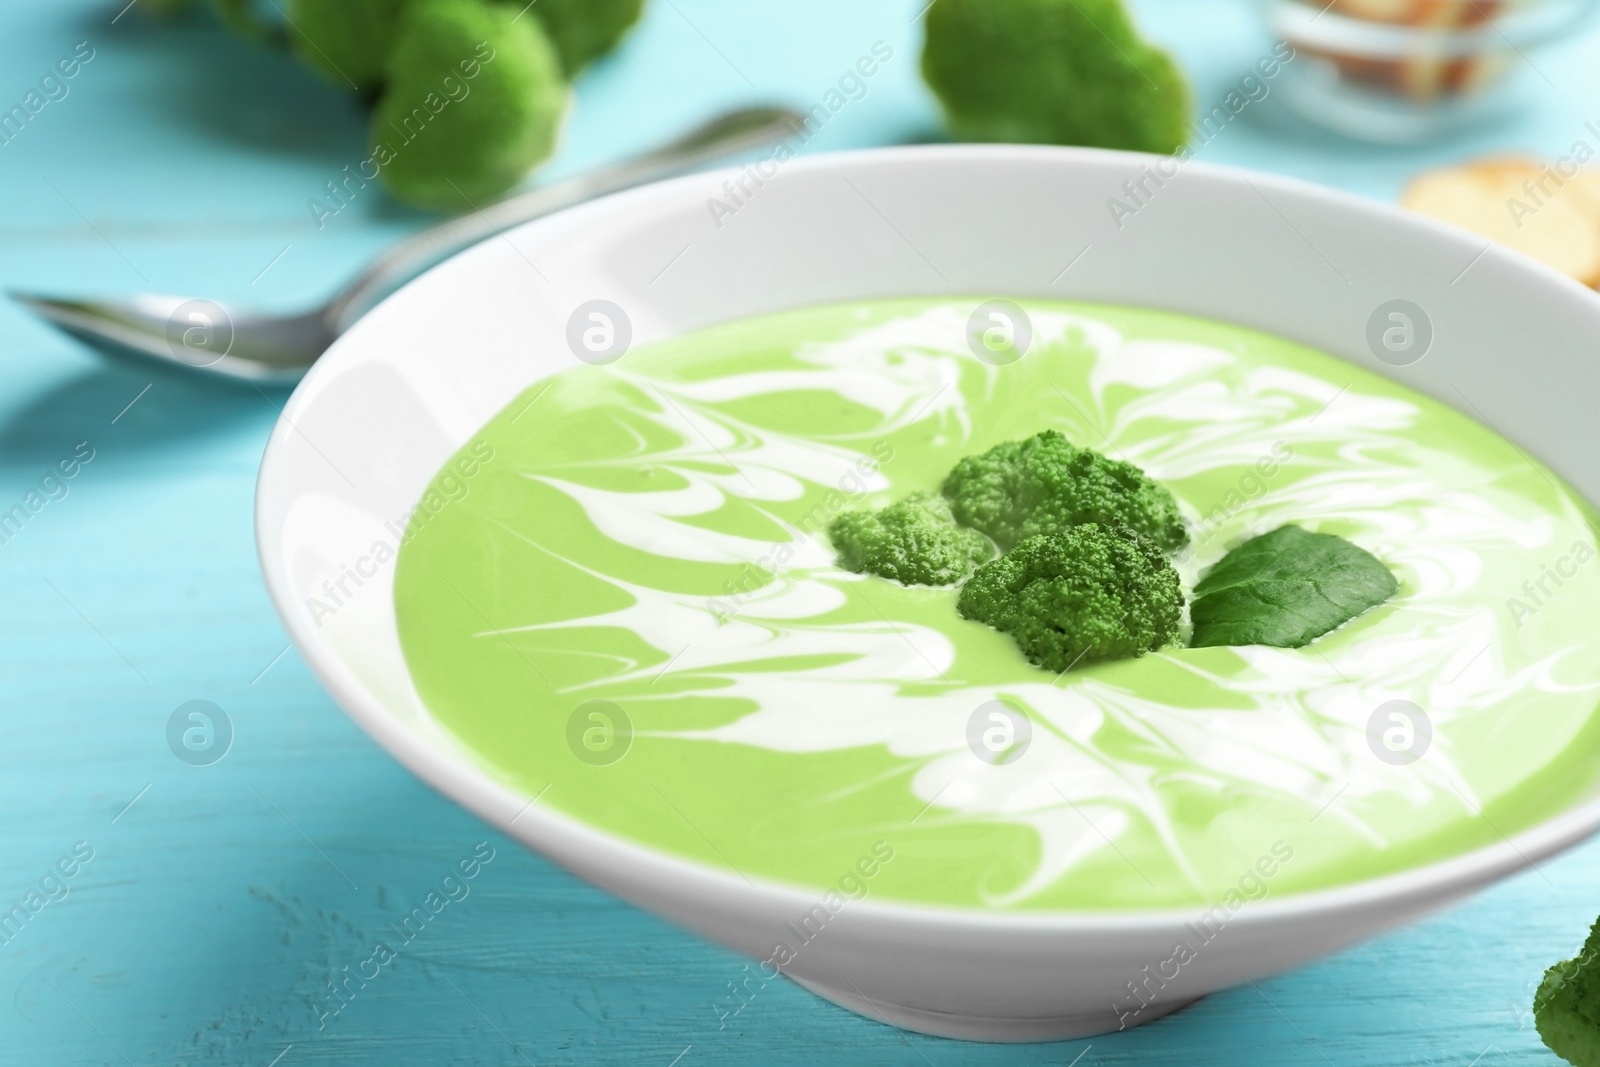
(1559, 226)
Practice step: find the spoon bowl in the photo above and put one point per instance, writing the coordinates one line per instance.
(178, 333)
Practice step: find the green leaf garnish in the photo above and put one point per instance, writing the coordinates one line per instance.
(1286, 588)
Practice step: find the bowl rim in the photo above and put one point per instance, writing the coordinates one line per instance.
(559, 836)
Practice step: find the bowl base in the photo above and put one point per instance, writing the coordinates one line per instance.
(1015, 1030)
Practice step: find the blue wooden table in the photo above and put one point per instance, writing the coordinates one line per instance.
(209, 908)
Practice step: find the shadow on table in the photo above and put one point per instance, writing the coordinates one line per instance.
(138, 411)
(211, 79)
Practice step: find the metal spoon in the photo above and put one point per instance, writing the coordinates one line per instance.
(203, 336)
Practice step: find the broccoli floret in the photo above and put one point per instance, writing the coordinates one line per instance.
(457, 151)
(1092, 592)
(346, 41)
(914, 542)
(349, 41)
(1045, 484)
(1053, 72)
(584, 29)
(472, 93)
(1566, 1009)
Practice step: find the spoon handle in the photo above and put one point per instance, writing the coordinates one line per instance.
(733, 132)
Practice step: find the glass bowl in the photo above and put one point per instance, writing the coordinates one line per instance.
(1406, 70)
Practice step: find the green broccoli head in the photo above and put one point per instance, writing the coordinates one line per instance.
(349, 41)
(914, 542)
(1566, 1009)
(346, 41)
(1091, 592)
(1045, 484)
(585, 29)
(474, 100)
(1053, 72)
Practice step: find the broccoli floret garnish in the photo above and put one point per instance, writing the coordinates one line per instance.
(1091, 592)
(1045, 485)
(584, 29)
(1053, 72)
(914, 542)
(467, 150)
(1566, 1009)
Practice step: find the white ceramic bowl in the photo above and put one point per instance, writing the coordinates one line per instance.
(381, 412)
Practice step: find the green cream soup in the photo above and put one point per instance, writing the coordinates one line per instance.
(621, 600)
